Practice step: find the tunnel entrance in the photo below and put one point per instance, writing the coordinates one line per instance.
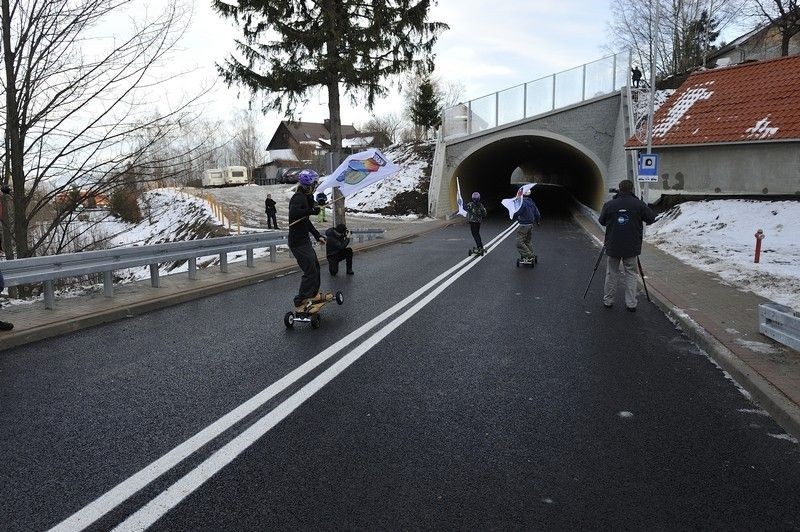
(498, 169)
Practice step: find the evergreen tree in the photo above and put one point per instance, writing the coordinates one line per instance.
(699, 41)
(292, 46)
(425, 111)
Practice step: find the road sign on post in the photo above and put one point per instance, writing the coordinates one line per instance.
(648, 168)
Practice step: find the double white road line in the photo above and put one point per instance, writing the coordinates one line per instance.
(195, 478)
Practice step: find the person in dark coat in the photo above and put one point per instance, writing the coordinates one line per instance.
(636, 76)
(4, 325)
(337, 249)
(526, 216)
(301, 207)
(269, 208)
(476, 212)
(623, 217)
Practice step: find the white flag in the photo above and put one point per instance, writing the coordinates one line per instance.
(358, 171)
(513, 204)
(460, 200)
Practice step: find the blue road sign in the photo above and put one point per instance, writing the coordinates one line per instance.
(648, 167)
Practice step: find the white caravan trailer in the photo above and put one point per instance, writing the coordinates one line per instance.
(235, 175)
(214, 177)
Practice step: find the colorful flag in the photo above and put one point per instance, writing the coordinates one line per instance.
(358, 171)
(513, 204)
(460, 200)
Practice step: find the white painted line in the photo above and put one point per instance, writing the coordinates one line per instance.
(136, 482)
(173, 495)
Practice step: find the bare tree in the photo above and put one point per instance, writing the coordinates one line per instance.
(632, 27)
(782, 14)
(389, 124)
(73, 103)
(248, 144)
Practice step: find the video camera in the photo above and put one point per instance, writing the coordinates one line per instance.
(613, 191)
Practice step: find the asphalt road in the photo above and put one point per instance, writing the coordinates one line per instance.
(495, 398)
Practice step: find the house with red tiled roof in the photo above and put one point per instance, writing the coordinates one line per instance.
(731, 131)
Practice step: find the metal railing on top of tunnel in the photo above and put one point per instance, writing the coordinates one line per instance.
(590, 80)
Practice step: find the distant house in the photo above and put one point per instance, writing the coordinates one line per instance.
(760, 44)
(303, 140)
(731, 131)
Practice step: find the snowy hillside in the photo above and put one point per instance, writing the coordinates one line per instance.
(415, 161)
(718, 236)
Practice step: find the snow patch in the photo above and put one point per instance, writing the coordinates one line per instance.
(761, 130)
(680, 107)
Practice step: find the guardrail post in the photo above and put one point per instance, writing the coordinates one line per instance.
(193, 268)
(273, 252)
(154, 276)
(223, 262)
(250, 262)
(49, 295)
(496, 109)
(614, 74)
(553, 102)
(525, 100)
(583, 93)
(108, 284)
(469, 117)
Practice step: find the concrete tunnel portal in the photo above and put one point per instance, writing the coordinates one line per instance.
(499, 168)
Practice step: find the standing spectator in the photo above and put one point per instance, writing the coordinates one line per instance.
(269, 208)
(4, 325)
(527, 214)
(322, 199)
(337, 249)
(622, 217)
(476, 212)
(636, 76)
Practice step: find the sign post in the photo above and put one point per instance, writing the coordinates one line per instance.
(648, 168)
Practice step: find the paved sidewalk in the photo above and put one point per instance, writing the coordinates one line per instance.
(723, 320)
(33, 322)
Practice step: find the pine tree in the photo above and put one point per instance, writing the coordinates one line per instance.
(326, 43)
(425, 107)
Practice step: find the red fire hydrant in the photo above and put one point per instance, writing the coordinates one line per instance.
(759, 238)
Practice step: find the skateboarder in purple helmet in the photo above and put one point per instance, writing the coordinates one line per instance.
(301, 207)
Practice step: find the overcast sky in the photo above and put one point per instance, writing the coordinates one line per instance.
(491, 45)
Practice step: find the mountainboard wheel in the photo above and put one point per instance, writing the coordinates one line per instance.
(517, 263)
(288, 320)
(315, 321)
(469, 253)
(339, 297)
(536, 259)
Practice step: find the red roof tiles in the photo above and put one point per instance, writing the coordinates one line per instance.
(744, 103)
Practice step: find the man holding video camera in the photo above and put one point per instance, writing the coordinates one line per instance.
(337, 250)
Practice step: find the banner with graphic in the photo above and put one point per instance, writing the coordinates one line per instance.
(358, 171)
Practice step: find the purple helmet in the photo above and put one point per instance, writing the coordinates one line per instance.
(476, 196)
(307, 177)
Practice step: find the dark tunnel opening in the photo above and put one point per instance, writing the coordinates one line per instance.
(561, 171)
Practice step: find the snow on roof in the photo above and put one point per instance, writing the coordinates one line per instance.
(757, 101)
(285, 155)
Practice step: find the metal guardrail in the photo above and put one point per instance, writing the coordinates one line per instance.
(780, 323)
(48, 269)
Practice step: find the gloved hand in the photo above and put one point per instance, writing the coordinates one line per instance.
(5, 189)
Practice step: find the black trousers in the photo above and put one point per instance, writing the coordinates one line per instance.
(307, 260)
(475, 227)
(334, 259)
(272, 222)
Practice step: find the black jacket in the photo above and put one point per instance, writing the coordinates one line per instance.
(623, 217)
(269, 205)
(335, 241)
(301, 206)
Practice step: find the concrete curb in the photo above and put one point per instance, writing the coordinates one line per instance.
(782, 409)
(69, 325)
